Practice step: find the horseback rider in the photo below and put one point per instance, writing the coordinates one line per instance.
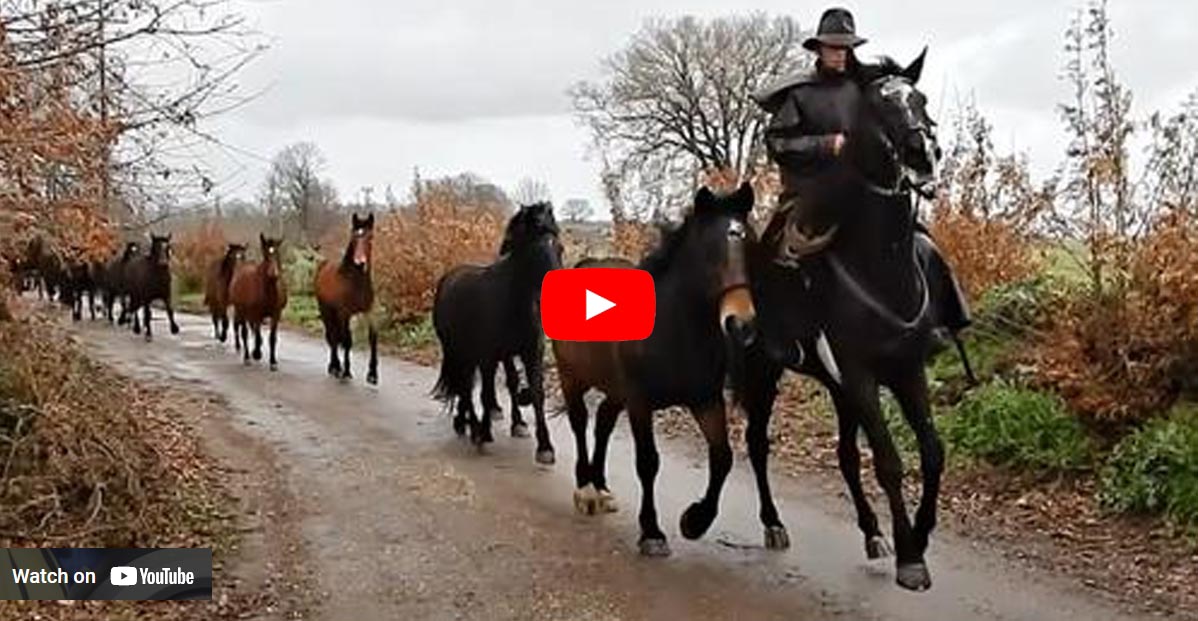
(811, 113)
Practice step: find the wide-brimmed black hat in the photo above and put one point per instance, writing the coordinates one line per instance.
(836, 28)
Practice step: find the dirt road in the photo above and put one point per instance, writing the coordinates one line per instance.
(398, 519)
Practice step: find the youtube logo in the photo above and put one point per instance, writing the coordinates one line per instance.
(598, 304)
(123, 576)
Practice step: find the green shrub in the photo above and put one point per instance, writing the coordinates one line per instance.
(1155, 470)
(1012, 426)
(300, 269)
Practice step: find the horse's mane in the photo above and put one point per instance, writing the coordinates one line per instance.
(663, 253)
(528, 222)
(881, 67)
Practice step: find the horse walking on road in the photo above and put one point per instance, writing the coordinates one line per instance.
(485, 315)
(257, 293)
(216, 290)
(705, 312)
(111, 282)
(147, 279)
(344, 289)
(855, 316)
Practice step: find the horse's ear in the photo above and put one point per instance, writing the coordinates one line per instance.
(705, 200)
(915, 69)
(744, 198)
(369, 221)
(261, 239)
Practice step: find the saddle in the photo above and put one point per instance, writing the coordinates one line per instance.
(796, 233)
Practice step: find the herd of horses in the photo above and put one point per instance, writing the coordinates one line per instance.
(733, 313)
(256, 291)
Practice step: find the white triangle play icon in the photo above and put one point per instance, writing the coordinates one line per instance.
(597, 304)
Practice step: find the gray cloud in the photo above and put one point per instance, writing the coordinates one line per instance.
(480, 85)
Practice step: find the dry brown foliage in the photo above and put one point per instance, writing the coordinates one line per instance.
(1121, 359)
(76, 471)
(52, 148)
(196, 249)
(414, 246)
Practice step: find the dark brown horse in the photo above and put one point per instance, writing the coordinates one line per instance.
(216, 290)
(258, 292)
(148, 278)
(111, 282)
(345, 289)
(705, 313)
(487, 314)
(856, 317)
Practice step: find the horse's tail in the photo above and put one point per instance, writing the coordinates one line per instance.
(455, 379)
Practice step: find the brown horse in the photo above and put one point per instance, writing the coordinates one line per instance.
(344, 289)
(705, 313)
(257, 293)
(216, 290)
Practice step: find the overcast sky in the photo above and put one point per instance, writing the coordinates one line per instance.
(479, 85)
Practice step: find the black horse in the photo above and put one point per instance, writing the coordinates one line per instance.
(148, 278)
(80, 283)
(704, 312)
(111, 282)
(856, 316)
(485, 315)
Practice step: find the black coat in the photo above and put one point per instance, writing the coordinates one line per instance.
(806, 111)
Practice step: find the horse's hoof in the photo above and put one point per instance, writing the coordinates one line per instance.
(372, 378)
(519, 430)
(586, 501)
(459, 426)
(257, 355)
(497, 414)
(877, 547)
(776, 538)
(696, 520)
(655, 548)
(174, 329)
(149, 337)
(546, 457)
(334, 370)
(347, 375)
(914, 577)
(274, 366)
(607, 502)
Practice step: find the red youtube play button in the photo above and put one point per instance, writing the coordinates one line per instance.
(598, 304)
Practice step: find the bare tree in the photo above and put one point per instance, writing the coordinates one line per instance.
(294, 186)
(155, 69)
(577, 210)
(529, 191)
(675, 101)
(1171, 174)
(1097, 195)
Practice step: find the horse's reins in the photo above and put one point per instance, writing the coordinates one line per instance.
(902, 187)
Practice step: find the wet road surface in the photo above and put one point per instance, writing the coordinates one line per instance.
(402, 520)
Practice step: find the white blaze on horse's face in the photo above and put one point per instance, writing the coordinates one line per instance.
(918, 153)
(736, 299)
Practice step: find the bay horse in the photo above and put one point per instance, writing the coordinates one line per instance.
(705, 314)
(258, 292)
(216, 290)
(111, 282)
(855, 316)
(487, 314)
(344, 289)
(148, 278)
